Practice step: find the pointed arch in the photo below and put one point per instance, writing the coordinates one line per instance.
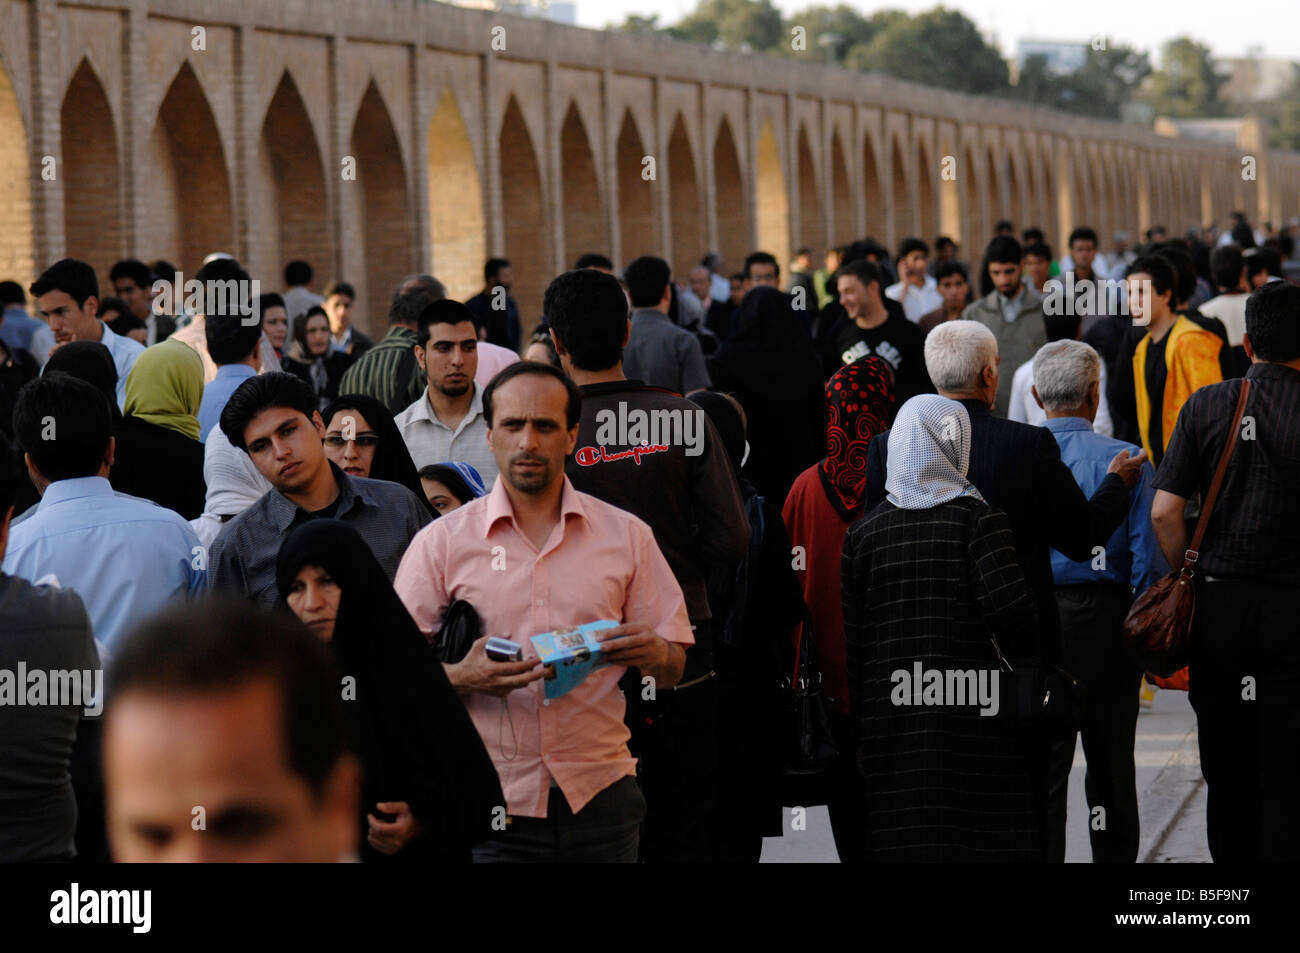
(387, 230)
(685, 209)
(996, 205)
(93, 223)
(524, 214)
(187, 162)
(291, 218)
(17, 248)
(773, 202)
(812, 222)
(638, 224)
(730, 208)
(927, 220)
(977, 228)
(871, 192)
(841, 194)
(457, 229)
(904, 219)
(582, 208)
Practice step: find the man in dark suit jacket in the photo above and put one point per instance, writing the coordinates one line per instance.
(1018, 469)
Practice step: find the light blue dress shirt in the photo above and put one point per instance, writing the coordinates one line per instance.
(1132, 555)
(217, 392)
(124, 351)
(18, 328)
(124, 556)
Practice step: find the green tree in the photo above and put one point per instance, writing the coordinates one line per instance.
(831, 31)
(1285, 133)
(940, 47)
(752, 23)
(1187, 85)
(1100, 87)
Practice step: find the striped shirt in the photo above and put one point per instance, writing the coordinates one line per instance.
(388, 372)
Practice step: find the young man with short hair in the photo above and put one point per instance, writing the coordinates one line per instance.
(871, 328)
(234, 346)
(1038, 266)
(686, 491)
(495, 310)
(446, 422)
(1228, 269)
(298, 297)
(133, 283)
(1012, 311)
(339, 298)
(761, 268)
(67, 296)
(915, 289)
(514, 555)
(954, 288)
(658, 351)
(237, 711)
(389, 371)
(273, 418)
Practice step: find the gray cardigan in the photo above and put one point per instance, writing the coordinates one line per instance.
(1018, 340)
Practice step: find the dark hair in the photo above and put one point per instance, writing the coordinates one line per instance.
(404, 308)
(11, 292)
(65, 424)
(88, 361)
(1004, 225)
(442, 311)
(761, 258)
(8, 475)
(573, 408)
(112, 303)
(738, 276)
(1003, 249)
(125, 323)
(164, 270)
(271, 300)
(300, 330)
(646, 279)
(492, 267)
(588, 312)
(133, 269)
(1033, 236)
(340, 288)
(865, 271)
(1163, 277)
(1263, 258)
(911, 244)
(1180, 259)
(1226, 263)
(297, 273)
(1273, 321)
(231, 340)
(1062, 327)
(803, 250)
(1242, 236)
(593, 260)
(262, 392)
(942, 242)
(220, 645)
(949, 268)
(449, 477)
(74, 278)
(1039, 250)
(226, 270)
(1082, 234)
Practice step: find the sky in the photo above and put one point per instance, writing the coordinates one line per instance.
(1273, 25)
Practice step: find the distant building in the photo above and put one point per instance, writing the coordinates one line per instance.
(1063, 56)
(558, 11)
(1254, 79)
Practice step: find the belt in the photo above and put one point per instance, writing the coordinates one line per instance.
(695, 681)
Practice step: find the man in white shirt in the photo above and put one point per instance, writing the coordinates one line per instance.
(1024, 407)
(446, 422)
(1228, 272)
(67, 296)
(916, 290)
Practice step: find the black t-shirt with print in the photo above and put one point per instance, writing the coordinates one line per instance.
(898, 341)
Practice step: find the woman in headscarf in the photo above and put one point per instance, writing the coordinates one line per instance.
(930, 578)
(429, 787)
(362, 439)
(311, 355)
(825, 499)
(449, 486)
(756, 607)
(769, 364)
(158, 455)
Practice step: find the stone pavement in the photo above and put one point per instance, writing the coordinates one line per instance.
(1171, 798)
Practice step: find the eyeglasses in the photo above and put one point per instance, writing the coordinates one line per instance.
(362, 440)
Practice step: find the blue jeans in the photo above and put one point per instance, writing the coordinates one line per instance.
(605, 831)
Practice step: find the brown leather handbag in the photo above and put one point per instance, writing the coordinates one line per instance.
(1157, 631)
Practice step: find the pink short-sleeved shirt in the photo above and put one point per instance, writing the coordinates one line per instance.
(600, 562)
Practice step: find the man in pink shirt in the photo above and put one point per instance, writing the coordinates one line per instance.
(532, 556)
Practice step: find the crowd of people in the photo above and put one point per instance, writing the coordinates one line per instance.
(824, 532)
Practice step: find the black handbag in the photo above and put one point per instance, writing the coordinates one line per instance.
(810, 744)
(1038, 696)
(461, 628)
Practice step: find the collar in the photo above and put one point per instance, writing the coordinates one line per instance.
(1067, 424)
(235, 370)
(398, 331)
(75, 489)
(282, 513)
(423, 410)
(1278, 372)
(974, 407)
(650, 314)
(345, 337)
(499, 506)
(109, 339)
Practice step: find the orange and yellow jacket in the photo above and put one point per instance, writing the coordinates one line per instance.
(1192, 361)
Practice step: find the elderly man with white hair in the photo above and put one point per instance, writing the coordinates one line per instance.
(1093, 597)
(1018, 469)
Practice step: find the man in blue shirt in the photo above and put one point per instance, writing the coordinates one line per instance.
(67, 295)
(234, 348)
(1094, 596)
(17, 326)
(124, 556)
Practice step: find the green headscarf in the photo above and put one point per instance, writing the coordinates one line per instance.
(165, 387)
